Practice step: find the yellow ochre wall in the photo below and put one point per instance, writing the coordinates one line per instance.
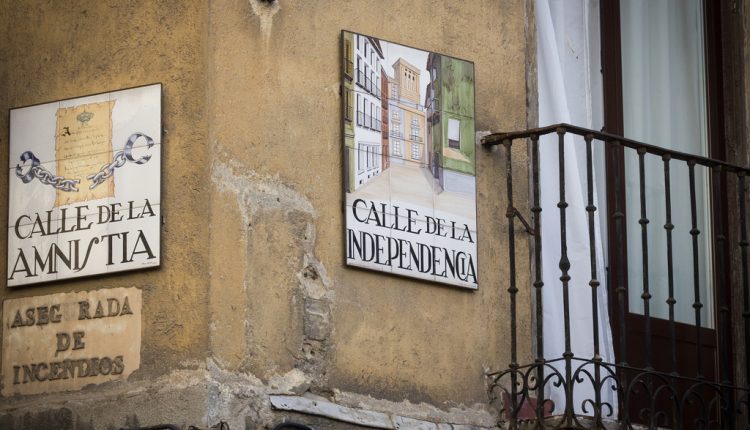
(253, 297)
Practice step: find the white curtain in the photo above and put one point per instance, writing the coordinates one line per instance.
(664, 103)
(570, 90)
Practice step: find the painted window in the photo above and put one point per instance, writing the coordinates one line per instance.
(454, 134)
(348, 57)
(359, 112)
(397, 148)
(360, 77)
(360, 158)
(348, 100)
(414, 129)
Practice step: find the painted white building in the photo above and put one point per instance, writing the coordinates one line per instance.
(367, 126)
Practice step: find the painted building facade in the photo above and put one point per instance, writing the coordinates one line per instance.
(407, 114)
(367, 153)
(385, 150)
(350, 113)
(451, 127)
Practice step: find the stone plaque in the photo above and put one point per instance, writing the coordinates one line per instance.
(65, 341)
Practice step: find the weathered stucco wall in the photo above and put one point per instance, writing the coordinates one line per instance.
(276, 168)
(253, 296)
(55, 50)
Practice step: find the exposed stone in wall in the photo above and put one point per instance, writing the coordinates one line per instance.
(176, 398)
(236, 398)
(369, 418)
(208, 395)
(279, 262)
(62, 419)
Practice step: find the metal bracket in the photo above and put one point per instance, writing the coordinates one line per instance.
(512, 211)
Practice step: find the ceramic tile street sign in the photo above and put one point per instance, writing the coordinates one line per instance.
(409, 161)
(84, 195)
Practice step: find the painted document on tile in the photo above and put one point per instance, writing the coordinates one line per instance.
(409, 161)
(83, 143)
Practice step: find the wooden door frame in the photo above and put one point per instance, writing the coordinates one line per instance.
(611, 57)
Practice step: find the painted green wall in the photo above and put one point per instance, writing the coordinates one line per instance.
(455, 94)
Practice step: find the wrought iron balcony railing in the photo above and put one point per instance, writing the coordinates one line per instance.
(715, 395)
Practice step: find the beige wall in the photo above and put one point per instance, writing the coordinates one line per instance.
(56, 50)
(391, 337)
(252, 296)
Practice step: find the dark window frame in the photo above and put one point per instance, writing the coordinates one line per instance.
(611, 59)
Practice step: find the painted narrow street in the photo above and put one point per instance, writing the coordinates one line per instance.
(410, 184)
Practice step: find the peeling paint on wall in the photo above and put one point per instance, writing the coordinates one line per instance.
(258, 199)
(255, 192)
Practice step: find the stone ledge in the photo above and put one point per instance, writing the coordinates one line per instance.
(361, 417)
